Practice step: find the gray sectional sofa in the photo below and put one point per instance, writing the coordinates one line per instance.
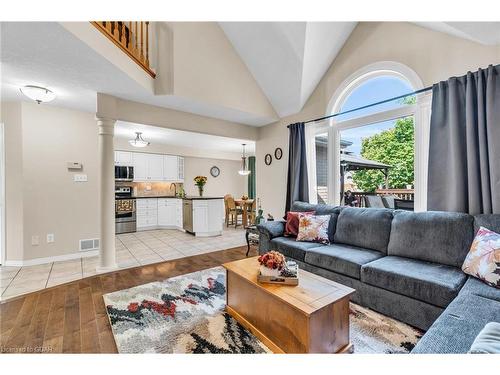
(403, 264)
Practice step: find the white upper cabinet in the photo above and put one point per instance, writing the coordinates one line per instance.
(141, 166)
(156, 167)
(180, 168)
(170, 168)
(124, 158)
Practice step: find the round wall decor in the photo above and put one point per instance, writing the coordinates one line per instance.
(268, 159)
(215, 171)
(278, 153)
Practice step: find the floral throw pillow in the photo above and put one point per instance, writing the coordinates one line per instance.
(313, 228)
(292, 222)
(483, 259)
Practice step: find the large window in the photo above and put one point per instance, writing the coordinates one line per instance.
(372, 150)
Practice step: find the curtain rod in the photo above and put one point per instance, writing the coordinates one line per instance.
(369, 105)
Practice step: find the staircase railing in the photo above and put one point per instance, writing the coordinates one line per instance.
(132, 37)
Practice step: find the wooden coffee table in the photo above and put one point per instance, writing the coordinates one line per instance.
(312, 317)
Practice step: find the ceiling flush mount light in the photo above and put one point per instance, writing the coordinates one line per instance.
(38, 94)
(244, 171)
(138, 141)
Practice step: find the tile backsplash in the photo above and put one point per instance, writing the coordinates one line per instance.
(152, 189)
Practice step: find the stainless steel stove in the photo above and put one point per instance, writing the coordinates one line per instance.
(125, 210)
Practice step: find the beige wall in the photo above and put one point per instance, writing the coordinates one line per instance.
(11, 117)
(119, 109)
(208, 69)
(228, 181)
(433, 56)
(41, 196)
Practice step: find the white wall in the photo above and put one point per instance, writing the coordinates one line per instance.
(432, 55)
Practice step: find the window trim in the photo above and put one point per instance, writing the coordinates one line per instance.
(420, 111)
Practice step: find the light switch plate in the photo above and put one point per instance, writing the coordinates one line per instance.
(35, 241)
(50, 238)
(80, 178)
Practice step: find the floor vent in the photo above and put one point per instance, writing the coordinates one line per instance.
(87, 245)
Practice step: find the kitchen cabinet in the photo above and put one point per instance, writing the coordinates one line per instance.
(207, 217)
(170, 168)
(170, 212)
(157, 167)
(124, 158)
(147, 213)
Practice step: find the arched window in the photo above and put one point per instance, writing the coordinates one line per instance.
(367, 157)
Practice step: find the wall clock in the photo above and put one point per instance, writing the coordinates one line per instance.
(278, 153)
(268, 159)
(215, 171)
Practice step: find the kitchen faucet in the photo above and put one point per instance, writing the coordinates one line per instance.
(175, 188)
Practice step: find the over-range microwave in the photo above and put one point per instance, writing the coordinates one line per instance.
(124, 173)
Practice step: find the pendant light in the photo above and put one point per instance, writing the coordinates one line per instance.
(244, 171)
(138, 141)
(38, 94)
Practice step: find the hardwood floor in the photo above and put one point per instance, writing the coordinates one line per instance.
(71, 318)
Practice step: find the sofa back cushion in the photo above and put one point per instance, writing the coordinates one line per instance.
(320, 209)
(364, 227)
(433, 236)
(489, 221)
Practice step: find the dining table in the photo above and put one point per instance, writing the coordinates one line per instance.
(246, 206)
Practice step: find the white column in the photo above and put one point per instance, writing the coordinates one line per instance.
(107, 252)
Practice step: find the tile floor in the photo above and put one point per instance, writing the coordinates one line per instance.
(132, 249)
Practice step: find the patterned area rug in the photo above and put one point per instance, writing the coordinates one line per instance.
(185, 314)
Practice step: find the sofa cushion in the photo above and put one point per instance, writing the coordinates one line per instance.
(490, 221)
(459, 324)
(478, 288)
(440, 237)
(292, 222)
(433, 283)
(364, 227)
(291, 248)
(344, 259)
(313, 228)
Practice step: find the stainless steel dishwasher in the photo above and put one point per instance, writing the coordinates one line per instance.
(187, 215)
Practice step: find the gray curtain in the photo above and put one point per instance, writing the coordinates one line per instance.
(297, 185)
(464, 150)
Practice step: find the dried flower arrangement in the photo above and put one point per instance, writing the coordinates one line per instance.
(272, 260)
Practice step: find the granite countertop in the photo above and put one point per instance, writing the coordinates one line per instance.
(193, 197)
(157, 196)
(188, 197)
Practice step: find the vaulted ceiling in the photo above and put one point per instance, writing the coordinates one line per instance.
(288, 59)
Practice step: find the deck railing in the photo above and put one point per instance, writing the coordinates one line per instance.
(131, 37)
(404, 194)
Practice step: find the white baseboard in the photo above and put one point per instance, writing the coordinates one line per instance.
(57, 258)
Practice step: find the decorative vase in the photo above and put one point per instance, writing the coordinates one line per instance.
(264, 271)
(200, 190)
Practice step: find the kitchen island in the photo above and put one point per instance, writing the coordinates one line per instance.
(203, 216)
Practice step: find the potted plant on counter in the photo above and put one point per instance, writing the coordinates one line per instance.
(200, 181)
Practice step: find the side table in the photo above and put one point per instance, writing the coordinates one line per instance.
(252, 236)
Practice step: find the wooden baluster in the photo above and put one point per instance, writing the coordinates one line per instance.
(147, 44)
(116, 34)
(142, 42)
(136, 33)
(129, 44)
(123, 35)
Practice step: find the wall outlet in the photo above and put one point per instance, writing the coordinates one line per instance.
(35, 241)
(80, 178)
(50, 238)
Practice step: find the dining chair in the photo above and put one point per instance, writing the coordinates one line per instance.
(252, 212)
(233, 212)
(226, 208)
